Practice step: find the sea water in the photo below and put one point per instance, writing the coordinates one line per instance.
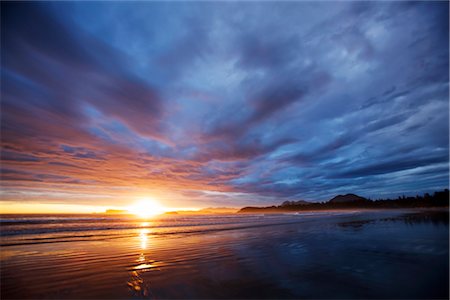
(327, 254)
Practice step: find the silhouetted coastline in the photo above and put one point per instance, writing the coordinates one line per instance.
(352, 201)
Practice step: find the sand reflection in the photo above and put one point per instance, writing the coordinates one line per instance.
(138, 285)
(143, 238)
(143, 262)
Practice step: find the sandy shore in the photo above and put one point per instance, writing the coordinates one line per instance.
(358, 254)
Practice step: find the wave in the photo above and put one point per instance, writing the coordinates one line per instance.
(74, 238)
(20, 230)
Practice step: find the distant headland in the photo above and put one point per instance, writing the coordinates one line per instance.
(352, 201)
(347, 201)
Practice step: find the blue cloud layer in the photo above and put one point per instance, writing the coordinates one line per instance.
(248, 100)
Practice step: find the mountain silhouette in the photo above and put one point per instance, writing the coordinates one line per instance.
(352, 201)
(347, 198)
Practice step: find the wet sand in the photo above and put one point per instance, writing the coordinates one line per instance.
(360, 254)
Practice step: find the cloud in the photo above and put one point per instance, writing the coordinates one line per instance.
(251, 102)
(18, 157)
(390, 166)
(52, 70)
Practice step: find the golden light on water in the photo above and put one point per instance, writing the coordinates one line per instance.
(143, 237)
(146, 208)
(144, 264)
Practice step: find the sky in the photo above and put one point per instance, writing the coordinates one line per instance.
(221, 104)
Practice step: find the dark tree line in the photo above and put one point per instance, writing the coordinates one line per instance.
(437, 199)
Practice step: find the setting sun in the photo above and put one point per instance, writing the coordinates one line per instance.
(147, 207)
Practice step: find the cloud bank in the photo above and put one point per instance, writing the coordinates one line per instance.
(223, 103)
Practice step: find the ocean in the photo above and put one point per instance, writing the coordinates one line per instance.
(326, 255)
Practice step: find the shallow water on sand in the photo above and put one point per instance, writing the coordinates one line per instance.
(367, 254)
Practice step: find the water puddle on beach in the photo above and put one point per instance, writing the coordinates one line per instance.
(371, 254)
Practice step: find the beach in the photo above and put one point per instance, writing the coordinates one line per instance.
(332, 254)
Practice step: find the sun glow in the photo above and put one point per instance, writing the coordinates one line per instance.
(146, 208)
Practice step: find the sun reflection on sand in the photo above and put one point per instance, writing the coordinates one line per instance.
(143, 237)
(144, 263)
(137, 284)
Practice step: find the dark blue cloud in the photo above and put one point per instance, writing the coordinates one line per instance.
(228, 101)
(18, 157)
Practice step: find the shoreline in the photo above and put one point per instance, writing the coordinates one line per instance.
(346, 254)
